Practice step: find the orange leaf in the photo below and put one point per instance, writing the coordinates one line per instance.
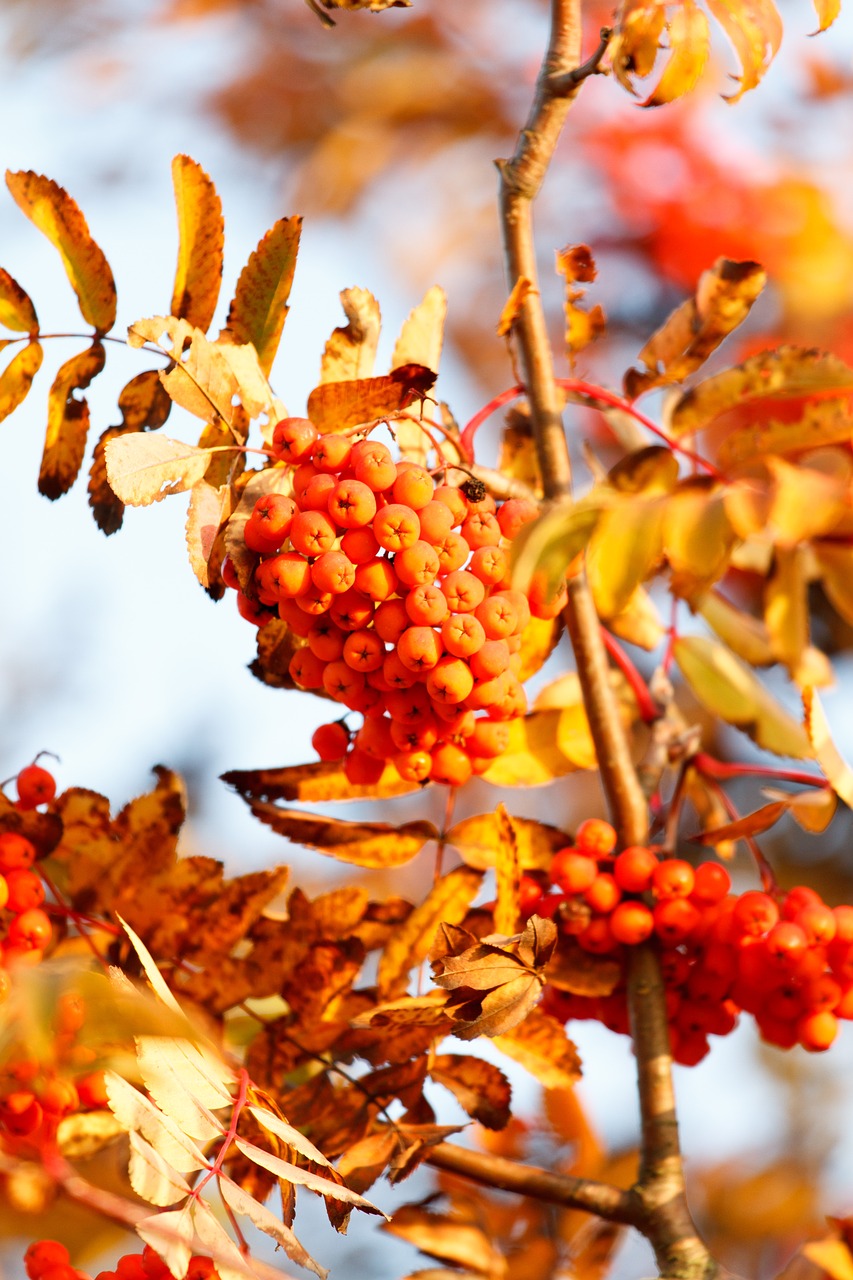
(17, 377)
(507, 874)
(448, 901)
(55, 214)
(366, 844)
(319, 781)
(200, 239)
(334, 406)
(351, 350)
(541, 1046)
(690, 44)
(68, 422)
(512, 306)
(259, 308)
(755, 30)
(16, 309)
(450, 1240)
(832, 1256)
(479, 1087)
(827, 12)
(752, 824)
(476, 840)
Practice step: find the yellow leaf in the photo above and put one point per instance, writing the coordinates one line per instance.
(68, 422)
(835, 768)
(820, 423)
(334, 406)
(697, 535)
(200, 239)
(476, 840)
(351, 350)
(542, 746)
(745, 635)
(142, 469)
(637, 35)
(813, 809)
(541, 1046)
(420, 342)
(789, 504)
(544, 548)
(512, 307)
(786, 373)
(17, 378)
(786, 609)
(623, 551)
(729, 689)
(755, 30)
(366, 844)
(152, 1177)
(827, 12)
(832, 1256)
(135, 1112)
(538, 641)
(638, 621)
(303, 1178)
(447, 901)
(16, 308)
(56, 215)
(507, 874)
(724, 295)
(259, 308)
(171, 1235)
(690, 44)
(835, 565)
(576, 263)
(208, 510)
(319, 781)
(241, 1202)
(177, 1081)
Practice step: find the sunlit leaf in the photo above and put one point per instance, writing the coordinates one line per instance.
(728, 688)
(623, 550)
(17, 378)
(638, 30)
(200, 239)
(539, 639)
(319, 781)
(755, 30)
(55, 214)
(68, 422)
(420, 343)
(152, 1177)
(171, 1235)
(545, 548)
(476, 840)
(241, 1202)
(507, 913)
(363, 1162)
(541, 1046)
(827, 11)
(751, 824)
(479, 1087)
(788, 503)
(832, 1257)
(303, 1178)
(813, 809)
(208, 510)
(351, 350)
(259, 308)
(786, 609)
(724, 295)
(512, 307)
(152, 973)
(583, 325)
(542, 746)
(16, 308)
(697, 535)
(584, 974)
(745, 635)
(815, 423)
(638, 621)
(449, 1239)
(136, 1112)
(175, 1073)
(334, 406)
(836, 770)
(290, 1136)
(448, 901)
(785, 373)
(365, 844)
(143, 469)
(144, 405)
(690, 44)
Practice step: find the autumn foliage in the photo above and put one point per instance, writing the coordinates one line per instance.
(237, 1036)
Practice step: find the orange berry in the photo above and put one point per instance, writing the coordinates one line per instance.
(453, 552)
(299, 622)
(31, 930)
(573, 872)
(333, 572)
(453, 499)
(490, 660)
(363, 770)
(330, 741)
(603, 894)
(816, 1031)
(427, 605)
(359, 545)
(351, 610)
(314, 601)
(413, 766)
(326, 640)
(306, 669)
(374, 739)
(271, 518)
(417, 565)
(59, 1097)
(377, 579)
(597, 937)
(313, 532)
(754, 913)
(352, 505)
(631, 923)
(817, 922)
(514, 514)
(489, 738)
(396, 674)
(450, 680)
(396, 527)
(673, 878)
(293, 439)
(413, 487)
(251, 610)
(415, 737)
(436, 521)
(490, 565)
(634, 868)
(331, 453)
(20, 891)
(340, 680)
(481, 529)
(364, 651)
(374, 466)
(43, 1254)
(450, 765)
(462, 635)
(463, 591)
(419, 648)
(711, 883)
(498, 616)
(92, 1091)
(391, 619)
(409, 706)
(314, 496)
(675, 919)
(595, 837)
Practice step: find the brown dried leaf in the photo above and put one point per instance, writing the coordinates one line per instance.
(17, 378)
(751, 824)
(450, 1240)
(541, 1046)
(573, 969)
(334, 406)
(16, 308)
(479, 1087)
(351, 350)
(259, 308)
(447, 901)
(276, 646)
(68, 422)
(144, 405)
(365, 844)
(366, 1160)
(577, 265)
(507, 874)
(724, 295)
(319, 781)
(56, 215)
(200, 240)
(813, 809)
(512, 307)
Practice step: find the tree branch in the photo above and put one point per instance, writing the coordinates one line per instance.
(599, 1198)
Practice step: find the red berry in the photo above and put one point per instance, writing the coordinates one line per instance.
(711, 883)
(595, 837)
(16, 852)
(634, 868)
(673, 878)
(632, 923)
(755, 913)
(42, 1254)
(574, 872)
(35, 786)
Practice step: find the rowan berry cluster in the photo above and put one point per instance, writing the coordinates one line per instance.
(786, 959)
(36, 1095)
(50, 1260)
(400, 593)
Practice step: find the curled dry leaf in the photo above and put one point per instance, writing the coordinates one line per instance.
(200, 241)
(17, 378)
(450, 1240)
(335, 406)
(479, 1087)
(351, 350)
(16, 308)
(318, 781)
(68, 422)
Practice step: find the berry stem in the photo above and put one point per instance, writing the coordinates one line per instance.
(646, 705)
(710, 767)
(765, 871)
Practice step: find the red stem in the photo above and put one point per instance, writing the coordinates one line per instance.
(765, 871)
(709, 767)
(648, 708)
(230, 1134)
